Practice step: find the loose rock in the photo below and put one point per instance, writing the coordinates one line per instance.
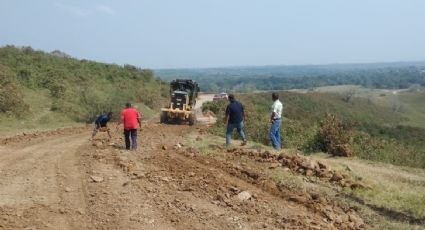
(96, 179)
(245, 195)
(274, 165)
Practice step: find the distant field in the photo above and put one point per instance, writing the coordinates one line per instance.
(410, 103)
(413, 105)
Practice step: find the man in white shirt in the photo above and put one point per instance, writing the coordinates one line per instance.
(276, 121)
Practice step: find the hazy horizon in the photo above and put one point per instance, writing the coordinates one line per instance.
(220, 34)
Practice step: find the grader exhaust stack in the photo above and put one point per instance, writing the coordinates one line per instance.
(183, 94)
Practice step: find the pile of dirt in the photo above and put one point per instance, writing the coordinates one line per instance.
(26, 137)
(252, 200)
(310, 167)
(301, 165)
(124, 163)
(334, 213)
(105, 152)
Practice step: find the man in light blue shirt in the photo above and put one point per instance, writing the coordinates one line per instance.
(276, 121)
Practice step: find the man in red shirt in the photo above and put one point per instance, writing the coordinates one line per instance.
(131, 119)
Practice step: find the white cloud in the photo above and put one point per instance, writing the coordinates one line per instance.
(84, 12)
(105, 9)
(76, 11)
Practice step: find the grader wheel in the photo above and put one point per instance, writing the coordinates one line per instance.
(192, 119)
(164, 117)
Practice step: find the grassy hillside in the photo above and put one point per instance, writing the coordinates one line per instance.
(409, 103)
(42, 89)
(376, 131)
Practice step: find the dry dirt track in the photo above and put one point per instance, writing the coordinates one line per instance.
(201, 118)
(34, 180)
(64, 181)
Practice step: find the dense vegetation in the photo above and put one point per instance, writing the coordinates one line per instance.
(76, 89)
(375, 132)
(248, 79)
(11, 100)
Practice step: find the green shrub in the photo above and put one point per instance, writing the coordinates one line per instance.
(334, 136)
(217, 107)
(388, 150)
(11, 100)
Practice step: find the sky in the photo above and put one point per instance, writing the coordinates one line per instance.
(219, 33)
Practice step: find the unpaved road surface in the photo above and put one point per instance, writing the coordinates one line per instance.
(61, 180)
(34, 175)
(204, 119)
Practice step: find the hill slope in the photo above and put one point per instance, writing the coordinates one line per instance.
(41, 89)
(374, 127)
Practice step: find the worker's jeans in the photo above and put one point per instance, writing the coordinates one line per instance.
(133, 134)
(275, 134)
(230, 128)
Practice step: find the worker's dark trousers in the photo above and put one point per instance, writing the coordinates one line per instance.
(133, 134)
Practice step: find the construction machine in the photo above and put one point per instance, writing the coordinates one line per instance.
(183, 94)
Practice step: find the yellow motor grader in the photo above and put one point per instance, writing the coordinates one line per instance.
(183, 94)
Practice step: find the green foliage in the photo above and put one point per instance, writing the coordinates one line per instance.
(11, 100)
(79, 89)
(334, 136)
(393, 151)
(216, 107)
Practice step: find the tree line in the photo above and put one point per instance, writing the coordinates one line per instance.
(248, 79)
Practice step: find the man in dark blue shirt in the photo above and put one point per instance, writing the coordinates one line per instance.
(101, 124)
(235, 116)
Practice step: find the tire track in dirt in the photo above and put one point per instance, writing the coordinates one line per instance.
(41, 184)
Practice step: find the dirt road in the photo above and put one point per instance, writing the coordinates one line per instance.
(40, 180)
(201, 118)
(64, 181)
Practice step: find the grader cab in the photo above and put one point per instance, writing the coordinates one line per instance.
(183, 94)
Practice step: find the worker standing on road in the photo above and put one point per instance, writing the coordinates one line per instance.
(234, 118)
(101, 124)
(276, 121)
(131, 119)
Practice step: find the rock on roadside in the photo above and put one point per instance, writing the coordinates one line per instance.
(96, 179)
(245, 195)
